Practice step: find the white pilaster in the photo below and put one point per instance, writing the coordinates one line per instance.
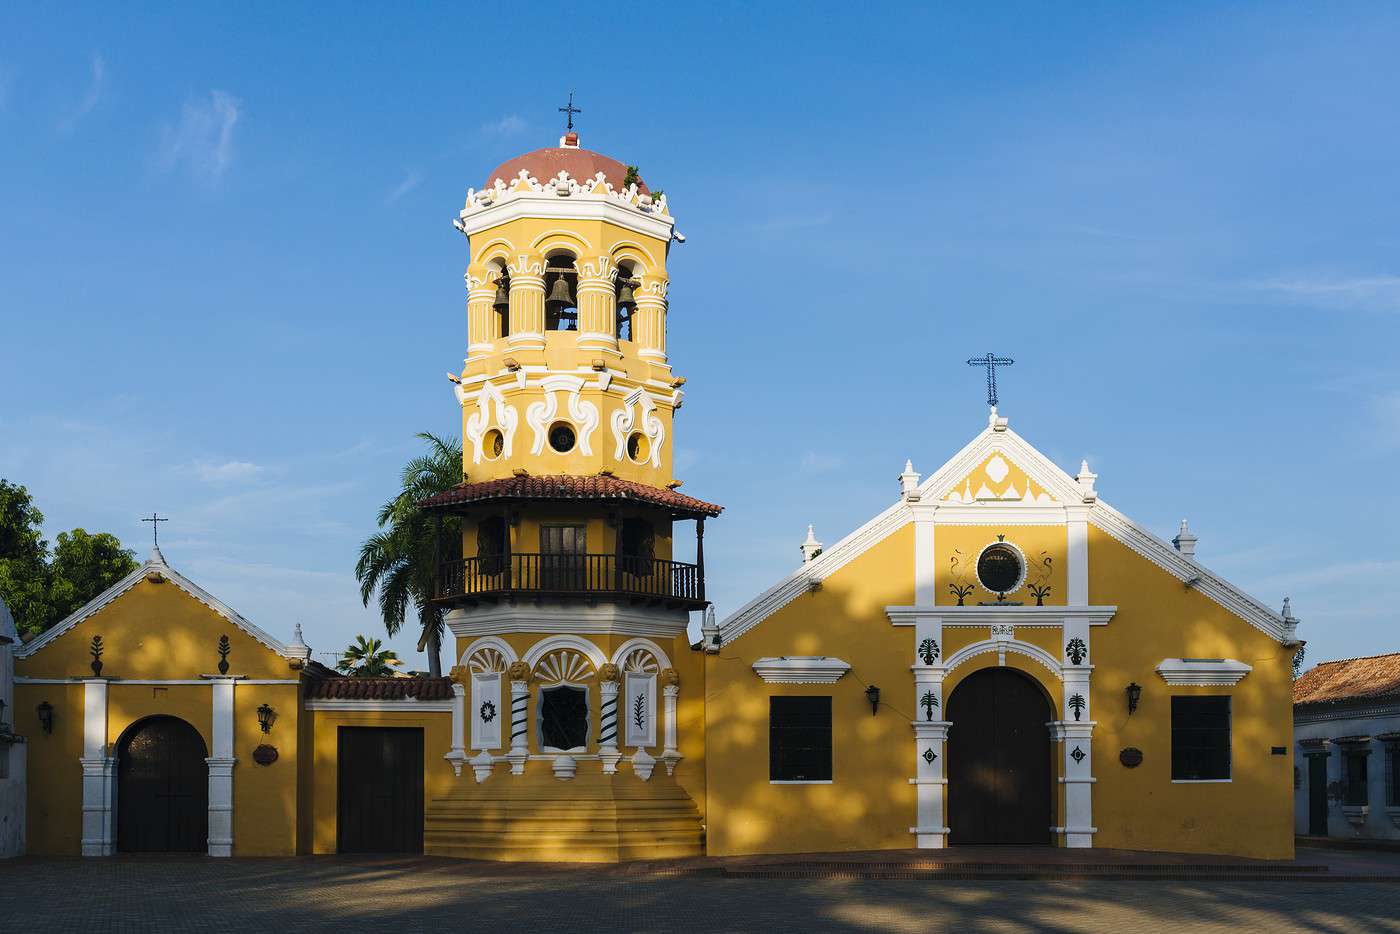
(1075, 730)
(99, 774)
(1077, 555)
(519, 732)
(925, 558)
(669, 753)
(458, 753)
(930, 733)
(221, 765)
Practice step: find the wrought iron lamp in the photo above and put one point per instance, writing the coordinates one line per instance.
(45, 712)
(872, 694)
(1134, 695)
(266, 717)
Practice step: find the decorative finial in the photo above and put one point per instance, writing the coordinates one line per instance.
(991, 362)
(909, 482)
(1287, 607)
(1185, 541)
(709, 632)
(811, 547)
(1086, 479)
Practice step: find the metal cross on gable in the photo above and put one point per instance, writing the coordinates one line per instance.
(570, 109)
(991, 362)
(155, 518)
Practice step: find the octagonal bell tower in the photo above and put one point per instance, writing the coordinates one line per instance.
(567, 601)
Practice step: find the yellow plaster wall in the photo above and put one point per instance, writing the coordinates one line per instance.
(324, 758)
(265, 796)
(1158, 617)
(963, 543)
(55, 786)
(128, 703)
(870, 804)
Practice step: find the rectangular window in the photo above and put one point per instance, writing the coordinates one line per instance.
(799, 739)
(1357, 792)
(1392, 774)
(1200, 739)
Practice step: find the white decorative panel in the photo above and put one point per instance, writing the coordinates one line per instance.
(486, 713)
(640, 709)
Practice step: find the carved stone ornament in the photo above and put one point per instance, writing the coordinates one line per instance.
(265, 754)
(638, 413)
(1131, 757)
(582, 413)
(518, 671)
(609, 672)
(669, 676)
(461, 674)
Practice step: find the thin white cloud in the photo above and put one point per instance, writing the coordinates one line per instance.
(411, 180)
(1337, 293)
(817, 463)
(227, 471)
(90, 99)
(202, 140)
(508, 125)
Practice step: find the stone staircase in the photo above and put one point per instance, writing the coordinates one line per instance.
(593, 818)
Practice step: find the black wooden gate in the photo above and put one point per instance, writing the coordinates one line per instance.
(380, 798)
(1317, 796)
(999, 760)
(162, 788)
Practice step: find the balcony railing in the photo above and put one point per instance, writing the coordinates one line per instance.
(570, 575)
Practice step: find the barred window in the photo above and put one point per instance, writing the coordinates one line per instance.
(1200, 738)
(799, 739)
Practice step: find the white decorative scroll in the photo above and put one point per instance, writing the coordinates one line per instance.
(626, 419)
(540, 415)
(480, 421)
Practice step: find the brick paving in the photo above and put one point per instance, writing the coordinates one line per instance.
(350, 895)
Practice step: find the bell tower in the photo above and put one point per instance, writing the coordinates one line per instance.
(567, 601)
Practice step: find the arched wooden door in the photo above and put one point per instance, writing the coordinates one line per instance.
(999, 770)
(162, 788)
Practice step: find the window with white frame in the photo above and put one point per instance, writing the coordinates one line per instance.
(1200, 739)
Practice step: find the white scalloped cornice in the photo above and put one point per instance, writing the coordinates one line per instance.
(1202, 672)
(801, 669)
(561, 188)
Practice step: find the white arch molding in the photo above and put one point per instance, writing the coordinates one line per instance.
(631, 645)
(542, 648)
(489, 642)
(1002, 646)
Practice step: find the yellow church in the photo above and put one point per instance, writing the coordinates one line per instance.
(999, 657)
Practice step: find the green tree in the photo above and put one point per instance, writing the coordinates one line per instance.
(39, 591)
(399, 562)
(367, 658)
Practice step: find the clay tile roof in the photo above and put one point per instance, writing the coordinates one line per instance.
(380, 689)
(1350, 679)
(567, 487)
(581, 164)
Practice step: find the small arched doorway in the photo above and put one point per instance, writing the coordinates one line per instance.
(999, 760)
(162, 788)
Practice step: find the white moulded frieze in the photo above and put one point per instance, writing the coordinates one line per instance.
(1202, 671)
(801, 669)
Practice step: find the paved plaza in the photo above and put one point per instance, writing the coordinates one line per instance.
(408, 895)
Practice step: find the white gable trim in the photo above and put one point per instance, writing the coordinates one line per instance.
(157, 565)
(1057, 483)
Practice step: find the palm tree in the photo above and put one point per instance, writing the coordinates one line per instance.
(367, 658)
(399, 562)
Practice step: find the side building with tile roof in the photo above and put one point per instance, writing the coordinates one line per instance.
(1346, 724)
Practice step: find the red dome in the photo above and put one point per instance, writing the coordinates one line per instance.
(581, 164)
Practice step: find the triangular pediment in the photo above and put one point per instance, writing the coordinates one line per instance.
(997, 478)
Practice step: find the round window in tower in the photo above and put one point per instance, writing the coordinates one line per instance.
(561, 437)
(1001, 569)
(638, 447)
(493, 444)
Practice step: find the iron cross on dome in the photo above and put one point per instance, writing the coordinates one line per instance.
(991, 362)
(570, 110)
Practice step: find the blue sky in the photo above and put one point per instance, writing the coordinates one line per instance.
(229, 287)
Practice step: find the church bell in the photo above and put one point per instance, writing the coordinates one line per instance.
(559, 296)
(625, 297)
(502, 299)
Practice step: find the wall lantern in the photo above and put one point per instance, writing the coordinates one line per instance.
(872, 694)
(266, 717)
(45, 712)
(1134, 695)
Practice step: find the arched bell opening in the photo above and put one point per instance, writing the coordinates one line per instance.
(561, 293)
(162, 788)
(1000, 768)
(500, 304)
(627, 284)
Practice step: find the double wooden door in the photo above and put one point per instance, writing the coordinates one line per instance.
(562, 557)
(162, 788)
(999, 771)
(380, 790)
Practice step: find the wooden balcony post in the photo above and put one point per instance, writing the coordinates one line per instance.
(437, 555)
(700, 557)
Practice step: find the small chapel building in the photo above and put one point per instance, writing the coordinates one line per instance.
(998, 657)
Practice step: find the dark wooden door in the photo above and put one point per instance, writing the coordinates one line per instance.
(380, 790)
(999, 760)
(562, 550)
(162, 788)
(1317, 796)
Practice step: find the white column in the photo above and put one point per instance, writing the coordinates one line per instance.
(519, 732)
(221, 765)
(930, 735)
(1076, 729)
(925, 558)
(607, 737)
(669, 753)
(1077, 555)
(99, 773)
(457, 754)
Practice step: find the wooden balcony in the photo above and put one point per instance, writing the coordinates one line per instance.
(493, 577)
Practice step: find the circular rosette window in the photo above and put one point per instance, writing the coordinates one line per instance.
(1001, 568)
